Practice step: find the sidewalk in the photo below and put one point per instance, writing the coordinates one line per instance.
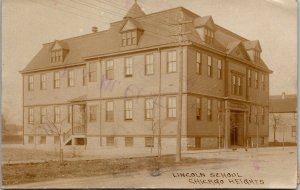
(112, 153)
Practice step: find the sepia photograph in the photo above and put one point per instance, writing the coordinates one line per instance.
(149, 94)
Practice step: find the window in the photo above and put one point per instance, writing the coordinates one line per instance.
(110, 141)
(109, 70)
(30, 83)
(294, 132)
(56, 139)
(209, 66)
(30, 115)
(149, 70)
(256, 79)
(43, 82)
(43, 115)
(250, 114)
(56, 114)
(249, 78)
(256, 56)
(238, 89)
(198, 63)
(263, 82)
(93, 113)
(172, 64)
(171, 107)
(56, 56)
(129, 38)
(30, 139)
(236, 85)
(219, 69)
(109, 111)
(128, 67)
(198, 109)
(70, 114)
(42, 140)
(255, 115)
(262, 115)
(209, 36)
(209, 110)
(219, 107)
(56, 79)
(71, 78)
(128, 109)
(149, 142)
(93, 72)
(128, 141)
(149, 108)
(83, 76)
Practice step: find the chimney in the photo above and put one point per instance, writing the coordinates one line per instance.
(283, 95)
(94, 29)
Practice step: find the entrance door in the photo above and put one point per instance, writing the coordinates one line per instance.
(236, 128)
(198, 142)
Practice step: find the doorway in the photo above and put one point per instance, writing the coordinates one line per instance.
(237, 128)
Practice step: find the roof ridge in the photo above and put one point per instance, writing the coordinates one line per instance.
(84, 35)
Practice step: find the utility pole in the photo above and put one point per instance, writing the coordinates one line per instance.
(180, 35)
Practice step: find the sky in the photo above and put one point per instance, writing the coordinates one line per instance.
(27, 24)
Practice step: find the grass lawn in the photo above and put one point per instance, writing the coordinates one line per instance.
(35, 172)
(20, 154)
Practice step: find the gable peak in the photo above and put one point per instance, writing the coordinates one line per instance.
(134, 11)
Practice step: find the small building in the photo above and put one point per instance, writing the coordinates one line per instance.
(283, 118)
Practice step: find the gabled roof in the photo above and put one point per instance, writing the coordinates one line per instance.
(156, 32)
(204, 21)
(131, 24)
(278, 104)
(252, 45)
(237, 49)
(60, 44)
(135, 11)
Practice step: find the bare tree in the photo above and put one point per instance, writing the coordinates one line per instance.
(277, 121)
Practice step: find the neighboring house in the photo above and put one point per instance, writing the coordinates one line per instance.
(283, 118)
(12, 134)
(125, 86)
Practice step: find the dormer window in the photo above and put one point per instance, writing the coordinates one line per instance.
(129, 38)
(59, 51)
(256, 56)
(56, 56)
(209, 36)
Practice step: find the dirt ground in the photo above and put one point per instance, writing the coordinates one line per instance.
(35, 172)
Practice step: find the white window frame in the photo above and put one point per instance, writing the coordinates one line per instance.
(57, 114)
(209, 109)
(149, 106)
(56, 79)
(172, 107)
(71, 81)
(109, 70)
(198, 63)
(43, 115)
(220, 69)
(30, 82)
(209, 66)
(43, 84)
(93, 72)
(128, 110)
(30, 115)
(109, 111)
(172, 61)
(149, 65)
(128, 67)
